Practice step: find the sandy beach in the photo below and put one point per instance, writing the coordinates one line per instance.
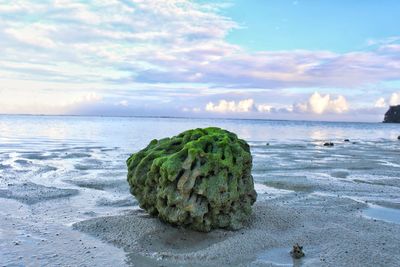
(67, 203)
(332, 230)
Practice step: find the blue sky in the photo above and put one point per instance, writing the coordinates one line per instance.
(339, 26)
(275, 59)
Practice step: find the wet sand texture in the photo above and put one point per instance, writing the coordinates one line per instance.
(332, 231)
(31, 193)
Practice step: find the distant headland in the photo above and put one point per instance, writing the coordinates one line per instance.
(392, 115)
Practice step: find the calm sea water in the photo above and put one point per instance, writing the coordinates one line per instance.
(293, 145)
(57, 170)
(32, 148)
(132, 133)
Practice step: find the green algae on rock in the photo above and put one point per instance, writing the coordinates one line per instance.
(200, 179)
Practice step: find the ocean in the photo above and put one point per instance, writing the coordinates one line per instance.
(58, 170)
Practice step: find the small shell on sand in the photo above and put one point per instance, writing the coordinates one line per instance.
(297, 251)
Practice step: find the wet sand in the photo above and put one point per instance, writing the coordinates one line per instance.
(65, 201)
(333, 231)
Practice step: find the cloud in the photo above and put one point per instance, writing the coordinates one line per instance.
(233, 67)
(177, 41)
(264, 108)
(166, 51)
(194, 110)
(384, 41)
(391, 48)
(34, 34)
(224, 106)
(85, 98)
(124, 103)
(27, 102)
(108, 34)
(320, 104)
(316, 104)
(394, 99)
(380, 103)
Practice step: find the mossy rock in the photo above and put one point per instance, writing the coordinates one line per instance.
(200, 179)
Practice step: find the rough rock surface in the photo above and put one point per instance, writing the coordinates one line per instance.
(200, 179)
(393, 114)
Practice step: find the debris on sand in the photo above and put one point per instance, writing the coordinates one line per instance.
(297, 251)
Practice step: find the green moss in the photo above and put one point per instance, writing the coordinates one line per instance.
(200, 179)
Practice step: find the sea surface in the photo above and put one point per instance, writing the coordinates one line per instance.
(58, 170)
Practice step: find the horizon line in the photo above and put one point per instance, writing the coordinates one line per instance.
(178, 117)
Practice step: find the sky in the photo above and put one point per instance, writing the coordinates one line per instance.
(273, 59)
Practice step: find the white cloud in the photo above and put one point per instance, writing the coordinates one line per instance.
(86, 97)
(115, 45)
(27, 101)
(223, 106)
(320, 104)
(338, 105)
(123, 103)
(301, 107)
(264, 108)
(380, 103)
(316, 104)
(394, 99)
(391, 48)
(34, 34)
(195, 109)
(177, 41)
